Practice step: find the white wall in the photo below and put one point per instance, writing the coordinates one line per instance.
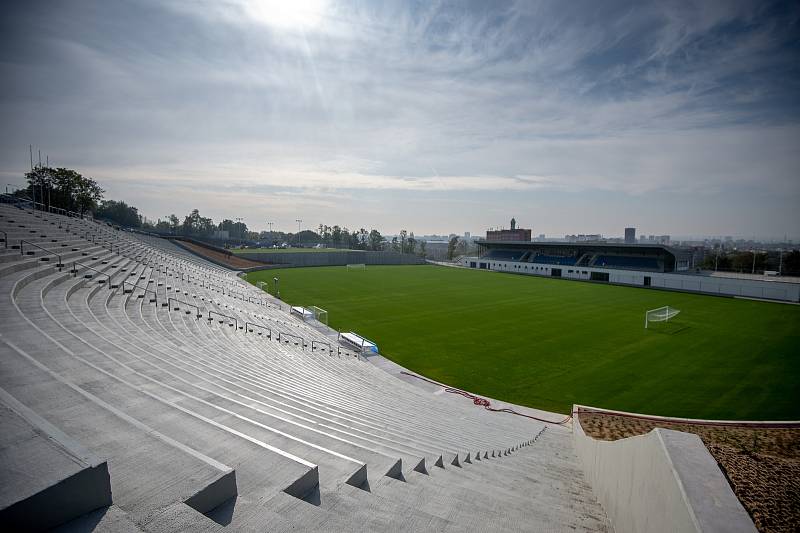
(752, 288)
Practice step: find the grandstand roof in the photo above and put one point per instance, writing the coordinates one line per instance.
(639, 248)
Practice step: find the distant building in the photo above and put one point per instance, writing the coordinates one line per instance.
(467, 235)
(630, 235)
(513, 234)
(589, 237)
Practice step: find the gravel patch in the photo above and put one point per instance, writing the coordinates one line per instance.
(762, 464)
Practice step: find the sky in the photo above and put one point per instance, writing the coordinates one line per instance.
(678, 118)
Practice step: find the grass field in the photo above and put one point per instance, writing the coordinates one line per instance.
(549, 343)
(286, 250)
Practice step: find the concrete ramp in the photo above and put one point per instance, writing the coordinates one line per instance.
(663, 481)
(48, 478)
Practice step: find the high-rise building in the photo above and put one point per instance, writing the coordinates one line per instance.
(630, 235)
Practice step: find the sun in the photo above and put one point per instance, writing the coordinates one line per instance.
(287, 14)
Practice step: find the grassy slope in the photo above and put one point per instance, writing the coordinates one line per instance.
(549, 343)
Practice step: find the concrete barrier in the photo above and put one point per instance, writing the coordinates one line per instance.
(664, 481)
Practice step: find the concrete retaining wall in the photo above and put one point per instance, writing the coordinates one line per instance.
(308, 259)
(664, 481)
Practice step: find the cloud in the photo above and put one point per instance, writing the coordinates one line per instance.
(316, 105)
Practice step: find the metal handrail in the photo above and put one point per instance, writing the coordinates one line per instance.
(210, 312)
(314, 343)
(282, 334)
(171, 299)
(247, 324)
(21, 251)
(145, 289)
(75, 271)
(5, 238)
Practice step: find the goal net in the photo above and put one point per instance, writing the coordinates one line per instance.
(357, 266)
(662, 314)
(261, 285)
(320, 314)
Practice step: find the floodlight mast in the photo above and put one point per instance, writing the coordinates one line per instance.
(299, 221)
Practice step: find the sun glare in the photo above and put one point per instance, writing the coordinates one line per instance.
(287, 14)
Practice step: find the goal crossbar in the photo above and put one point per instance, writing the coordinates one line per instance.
(662, 314)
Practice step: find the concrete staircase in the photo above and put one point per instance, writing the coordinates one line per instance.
(214, 409)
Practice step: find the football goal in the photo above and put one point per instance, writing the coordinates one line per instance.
(357, 266)
(662, 314)
(320, 314)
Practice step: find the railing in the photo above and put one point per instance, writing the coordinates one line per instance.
(248, 324)
(281, 335)
(170, 300)
(314, 345)
(145, 289)
(22, 252)
(5, 238)
(210, 312)
(74, 271)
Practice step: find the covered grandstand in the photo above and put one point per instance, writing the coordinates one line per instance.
(641, 265)
(653, 258)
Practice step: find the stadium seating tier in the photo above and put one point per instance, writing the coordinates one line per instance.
(151, 359)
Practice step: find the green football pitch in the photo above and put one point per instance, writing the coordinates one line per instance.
(549, 343)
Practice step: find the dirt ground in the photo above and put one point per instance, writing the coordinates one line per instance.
(232, 261)
(762, 464)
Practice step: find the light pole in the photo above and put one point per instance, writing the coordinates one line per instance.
(239, 228)
(299, 221)
(277, 290)
(271, 238)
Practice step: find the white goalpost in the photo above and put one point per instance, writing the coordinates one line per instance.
(320, 314)
(662, 314)
(357, 266)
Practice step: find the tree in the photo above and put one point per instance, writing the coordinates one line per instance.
(336, 236)
(411, 244)
(64, 188)
(451, 247)
(375, 240)
(743, 261)
(119, 212)
(363, 239)
(422, 252)
(791, 263)
(174, 223)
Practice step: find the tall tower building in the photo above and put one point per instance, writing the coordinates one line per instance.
(630, 235)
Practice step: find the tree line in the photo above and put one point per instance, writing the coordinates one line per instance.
(68, 189)
(747, 261)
